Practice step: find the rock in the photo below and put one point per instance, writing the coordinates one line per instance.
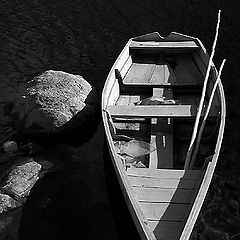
(50, 101)
(10, 147)
(21, 179)
(7, 203)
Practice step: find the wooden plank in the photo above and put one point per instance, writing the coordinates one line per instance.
(164, 211)
(181, 71)
(124, 100)
(164, 229)
(164, 173)
(170, 76)
(162, 157)
(163, 195)
(138, 181)
(147, 86)
(123, 71)
(186, 70)
(163, 73)
(127, 126)
(158, 75)
(139, 73)
(185, 45)
(158, 111)
(153, 157)
(188, 61)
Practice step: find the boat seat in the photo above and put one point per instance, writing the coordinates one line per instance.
(156, 111)
(169, 46)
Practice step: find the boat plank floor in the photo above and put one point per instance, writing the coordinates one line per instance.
(162, 71)
(163, 195)
(164, 201)
(164, 229)
(164, 211)
(139, 73)
(139, 181)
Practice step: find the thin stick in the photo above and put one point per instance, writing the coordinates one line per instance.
(206, 115)
(190, 149)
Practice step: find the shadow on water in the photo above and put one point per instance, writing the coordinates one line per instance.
(55, 210)
(180, 198)
(71, 201)
(124, 222)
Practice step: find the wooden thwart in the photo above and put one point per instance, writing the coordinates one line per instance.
(184, 45)
(158, 111)
(164, 173)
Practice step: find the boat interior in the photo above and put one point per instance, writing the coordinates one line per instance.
(152, 106)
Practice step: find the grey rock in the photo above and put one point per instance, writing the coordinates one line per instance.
(7, 203)
(50, 101)
(20, 179)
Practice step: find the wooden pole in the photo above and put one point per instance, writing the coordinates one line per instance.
(206, 115)
(196, 124)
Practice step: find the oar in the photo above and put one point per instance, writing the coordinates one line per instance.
(194, 134)
(206, 115)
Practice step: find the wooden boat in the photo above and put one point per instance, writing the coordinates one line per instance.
(149, 106)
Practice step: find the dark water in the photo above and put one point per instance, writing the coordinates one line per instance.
(84, 37)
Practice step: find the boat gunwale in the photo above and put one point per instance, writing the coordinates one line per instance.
(139, 217)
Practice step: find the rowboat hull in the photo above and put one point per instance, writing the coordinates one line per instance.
(163, 198)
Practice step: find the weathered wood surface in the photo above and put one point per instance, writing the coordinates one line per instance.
(164, 229)
(159, 111)
(162, 139)
(164, 173)
(141, 181)
(164, 211)
(164, 197)
(186, 71)
(184, 45)
(177, 69)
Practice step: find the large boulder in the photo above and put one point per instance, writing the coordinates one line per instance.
(50, 101)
